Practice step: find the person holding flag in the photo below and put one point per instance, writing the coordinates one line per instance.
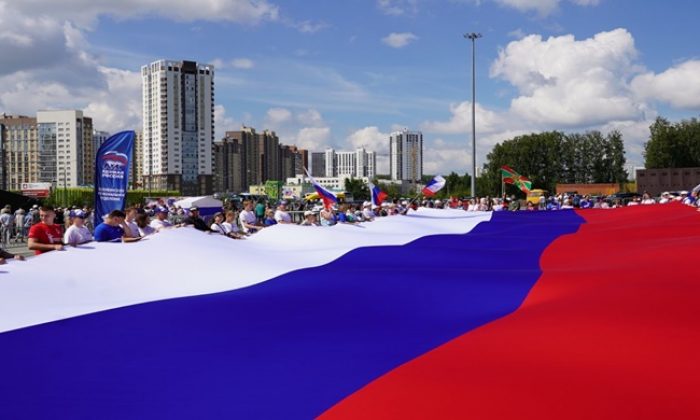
(327, 197)
(377, 195)
(509, 176)
(435, 185)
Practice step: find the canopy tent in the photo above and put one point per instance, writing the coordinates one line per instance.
(207, 204)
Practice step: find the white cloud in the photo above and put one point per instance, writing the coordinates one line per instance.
(541, 7)
(442, 157)
(517, 34)
(371, 138)
(277, 116)
(679, 85)
(461, 121)
(223, 122)
(586, 2)
(398, 7)
(565, 82)
(86, 12)
(119, 106)
(242, 63)
(311, 117)
(313, 138)
(399, 40)
(310, 27)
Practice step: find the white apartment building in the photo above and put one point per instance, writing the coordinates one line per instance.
(178, 126)
(99, 137)
(406, 155)
(358, 164)
(66, 153)
(334, 183)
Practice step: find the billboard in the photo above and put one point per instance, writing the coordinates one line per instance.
(36, 189)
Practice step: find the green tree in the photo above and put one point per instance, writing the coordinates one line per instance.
(553, 157)
(673, 145)
(357, 189)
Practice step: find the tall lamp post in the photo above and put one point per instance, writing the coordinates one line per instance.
(473, 36)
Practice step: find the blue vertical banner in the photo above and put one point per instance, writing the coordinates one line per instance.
(112, 173)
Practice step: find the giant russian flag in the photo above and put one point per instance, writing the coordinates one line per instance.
(438, 314)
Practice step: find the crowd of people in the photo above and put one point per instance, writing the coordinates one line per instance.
(47, 229)
(563, 202)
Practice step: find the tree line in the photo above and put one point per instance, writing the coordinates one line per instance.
(673, 145)
(553, 157)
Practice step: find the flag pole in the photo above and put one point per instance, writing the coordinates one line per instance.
(503, 186)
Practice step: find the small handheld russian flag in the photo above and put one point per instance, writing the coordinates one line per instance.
(327, 197)
(377, 195)
(434, 186)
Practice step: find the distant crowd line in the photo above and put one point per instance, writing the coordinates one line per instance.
(47, 229)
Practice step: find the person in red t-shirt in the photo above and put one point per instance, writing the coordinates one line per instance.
(46, 235)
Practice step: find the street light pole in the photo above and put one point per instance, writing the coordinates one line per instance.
(473, 37)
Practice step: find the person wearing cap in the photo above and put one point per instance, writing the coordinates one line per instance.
(77, 233)
(665, 198)
(46, 235)
(309, 219)
(113, 229)
(281, 215)
(161, 221)
(194, 220)
(367, 213)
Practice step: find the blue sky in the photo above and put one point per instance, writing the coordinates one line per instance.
(345, 74)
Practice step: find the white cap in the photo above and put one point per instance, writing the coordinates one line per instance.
(308, 213)
(366, 204)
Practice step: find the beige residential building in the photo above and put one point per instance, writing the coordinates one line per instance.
(19, 147)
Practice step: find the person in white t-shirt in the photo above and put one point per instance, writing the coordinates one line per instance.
(248, 219)
(367, 213)
(281, 215)
(647, 200)
(144, 227)
(130, 222)
(77, 233)
(230, 227)
(161, 220)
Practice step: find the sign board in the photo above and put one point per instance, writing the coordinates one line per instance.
(36, 189)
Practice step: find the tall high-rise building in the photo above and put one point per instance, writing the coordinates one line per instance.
(178, 126)
(65, 144)
(318, 164)
(246, 157)
(19, 147)
(406, 156)
(293, 161)
(229, 166)
(248, 147)
(89, 152)
(136, 168)
(358, 164)
(99, 137)
(270, 157)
